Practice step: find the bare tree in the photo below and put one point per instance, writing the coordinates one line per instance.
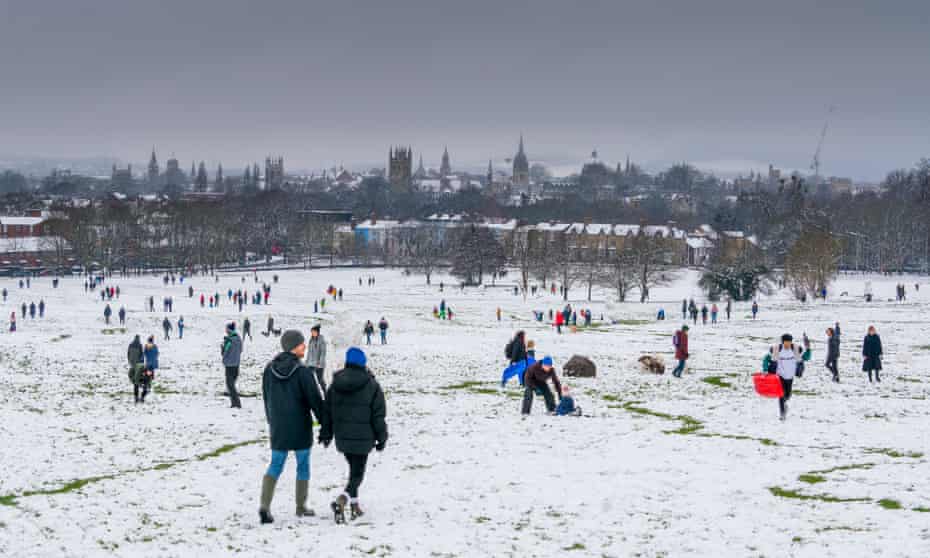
(426, 253)
(651, 257)
(812, 262)
(476, 253)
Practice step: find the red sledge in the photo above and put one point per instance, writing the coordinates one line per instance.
(767, 385)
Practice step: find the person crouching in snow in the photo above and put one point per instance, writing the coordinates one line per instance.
(356, 404)
(535, 381)
(567, 405)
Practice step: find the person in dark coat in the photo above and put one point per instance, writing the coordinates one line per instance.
(357, 407)
(518, 348)
(106, 314)
(872, 354)
(232, 353)
(292, 398)
(383, 327)
(150, 352)
(136, 360)
(246, 329)
(833, 351)
(369, 331)
(535, 381)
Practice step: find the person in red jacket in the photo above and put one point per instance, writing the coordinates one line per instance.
(559, 320)
(681, 350)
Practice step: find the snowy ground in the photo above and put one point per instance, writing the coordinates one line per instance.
(658, 467)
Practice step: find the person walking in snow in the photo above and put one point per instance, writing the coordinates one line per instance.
(181, 327)
(270, 325)
(122, 315)
(535, 381)
(246, 329)
(357, 409)
(136, 358)
(729, 308)
(369, 331)
(833, 351)
(12, 322)
(150, 352)
(755, 309)
(786, 358)
(42, 308)
(292, 398)
(680, 341)
(166, 325)
(32, 310)
(872, 354)
(5, 293)
(713, 314)
(231, 351)
(684, 309)
(704, 314)
(107, 311)
(383, 327)
(316, 355)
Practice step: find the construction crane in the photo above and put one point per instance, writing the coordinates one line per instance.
(815, 164)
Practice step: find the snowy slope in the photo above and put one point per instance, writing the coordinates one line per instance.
(658, 467)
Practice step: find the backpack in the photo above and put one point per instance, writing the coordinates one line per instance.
(508, 350)
(676, 339)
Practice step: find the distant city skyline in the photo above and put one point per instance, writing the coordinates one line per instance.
(727, 85)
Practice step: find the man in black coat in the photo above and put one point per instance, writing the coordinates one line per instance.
(291, 393)
(833, 351)
(356, 404)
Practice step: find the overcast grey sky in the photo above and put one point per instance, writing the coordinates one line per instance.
(725, 84)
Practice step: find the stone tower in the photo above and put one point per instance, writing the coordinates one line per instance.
(400, 168)
(521, 167)
(153, 168)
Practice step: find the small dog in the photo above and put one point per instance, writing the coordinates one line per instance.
(653, 364)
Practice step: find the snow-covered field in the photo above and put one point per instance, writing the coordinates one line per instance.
(657, 466)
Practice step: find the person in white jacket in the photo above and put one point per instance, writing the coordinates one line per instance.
(787, 357)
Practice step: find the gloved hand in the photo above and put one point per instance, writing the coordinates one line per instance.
(379, 446)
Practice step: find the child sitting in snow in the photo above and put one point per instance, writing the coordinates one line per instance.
(567, 405)
(531, 350)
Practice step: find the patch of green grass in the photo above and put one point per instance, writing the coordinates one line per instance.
(689, 425)
(812, 479)
(889, 504)
(633, 322)
(227, 448)
(482, 519)
(906, 379)
(463, 385)
(895, 453)
(611, 398)
(863, 466)
(921, 509)
(576, 546)
(840, 528)
(717, 381)
(796, 495)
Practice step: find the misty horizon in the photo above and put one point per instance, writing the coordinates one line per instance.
(725, 86)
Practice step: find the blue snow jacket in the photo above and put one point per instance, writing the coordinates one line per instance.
(566, 406)
(151, 356)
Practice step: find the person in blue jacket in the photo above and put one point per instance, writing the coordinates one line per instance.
(567, 404)
(150, 353)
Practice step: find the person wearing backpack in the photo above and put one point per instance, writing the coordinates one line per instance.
(680, 341)
(515, 351)
(785, 360)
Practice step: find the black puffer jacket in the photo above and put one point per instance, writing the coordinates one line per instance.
(872, 351)
(291, 392)
(356, 403)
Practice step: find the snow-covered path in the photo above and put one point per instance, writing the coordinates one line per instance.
(658, 467)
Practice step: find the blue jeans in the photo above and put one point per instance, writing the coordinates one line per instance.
(679, 369)
(383, 336)
(278, 457)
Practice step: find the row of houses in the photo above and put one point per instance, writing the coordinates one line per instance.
(400, 238)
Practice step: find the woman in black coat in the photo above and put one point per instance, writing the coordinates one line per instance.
(872, 354)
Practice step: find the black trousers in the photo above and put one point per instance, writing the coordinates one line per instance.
(232, 374)
(357, 463)
(528, 399)
(786, 387)
(144, 384)
(831, 366)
